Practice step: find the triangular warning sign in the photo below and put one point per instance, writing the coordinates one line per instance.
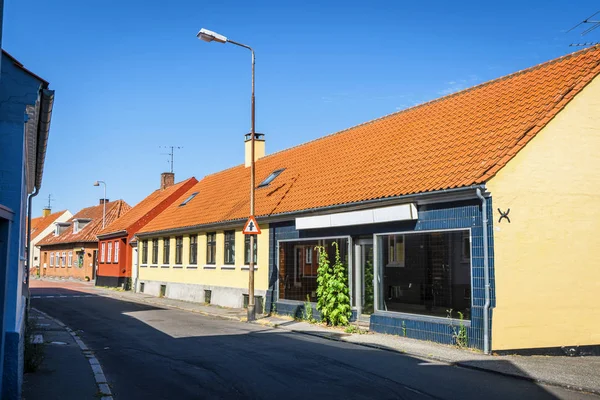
(251, 227)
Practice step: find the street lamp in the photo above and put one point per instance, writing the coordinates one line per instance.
(97, 183)
(210, 36)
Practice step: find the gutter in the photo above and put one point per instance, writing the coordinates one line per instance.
(36, 191)
(486, 275)
(287, 215)
(47, 103)
(112, 235)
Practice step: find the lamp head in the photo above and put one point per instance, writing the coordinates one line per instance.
(96, 183)
(210, 36)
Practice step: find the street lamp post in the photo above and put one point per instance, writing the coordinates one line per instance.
(209, 36)
(97, 183)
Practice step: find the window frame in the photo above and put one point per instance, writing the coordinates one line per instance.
(145, 252)
(211, 248)
(70, 259)
(155, 251)
(167, 251)
(52, 259)
(178, 250)
(247, 248)
(229, 245)
(193, 251)
(63, 259)
(116, 256)
(103, 252)
(109, 253)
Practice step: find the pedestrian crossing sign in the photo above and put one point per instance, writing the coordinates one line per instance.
(251, 227)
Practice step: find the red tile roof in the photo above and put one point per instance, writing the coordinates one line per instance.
(114, 210)
(39, 224)
(141, 210)
(455, 141)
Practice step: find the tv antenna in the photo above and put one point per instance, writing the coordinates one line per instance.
(590, 24)
(50, 199)
(171, 153)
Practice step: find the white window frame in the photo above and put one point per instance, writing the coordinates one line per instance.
(52, 259)
(116, 251)
(109, 252)
(103, 252)
(70, 259)
(63, 259)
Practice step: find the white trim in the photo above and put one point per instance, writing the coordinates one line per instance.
(247, 267)
(164, 265)
(228, 267)
(403, 212)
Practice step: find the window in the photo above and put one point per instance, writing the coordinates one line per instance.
(145, 252)
(211, 246)
(178, 249)
(102, 252)
(52, 259)
(154, 251)
(247, 249)
(109, 252)
(116, 251)
(229, 247)
(63, 259)
(188, 199)
(298, 270)
(271, 178)
(433, 277)
(466, 247)
(166, 250)
(70, 263)
(193, 249)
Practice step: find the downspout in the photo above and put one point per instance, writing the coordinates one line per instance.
(486, 276)
(28, 252)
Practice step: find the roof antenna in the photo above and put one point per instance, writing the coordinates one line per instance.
(592, 23)
(50, 199)
(171, 154)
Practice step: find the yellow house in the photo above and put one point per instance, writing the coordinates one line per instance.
(477, 210)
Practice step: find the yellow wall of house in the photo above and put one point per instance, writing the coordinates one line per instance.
(220, 275)
(546, 267)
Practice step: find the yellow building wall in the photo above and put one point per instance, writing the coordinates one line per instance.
(220, 275)
(547, 267)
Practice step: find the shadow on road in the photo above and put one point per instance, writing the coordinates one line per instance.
(159, 353)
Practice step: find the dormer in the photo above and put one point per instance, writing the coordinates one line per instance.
(60, 227)
(80, 223)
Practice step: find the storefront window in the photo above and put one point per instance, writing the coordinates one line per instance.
(425, 273)
(298, 264)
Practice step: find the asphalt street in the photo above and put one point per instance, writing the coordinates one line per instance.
(152, 353)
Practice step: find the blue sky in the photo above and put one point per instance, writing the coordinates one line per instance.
(130, 75)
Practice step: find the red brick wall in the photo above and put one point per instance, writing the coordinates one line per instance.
(74, 271)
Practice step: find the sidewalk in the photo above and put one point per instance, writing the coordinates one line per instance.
(577, 373)
(69, 371)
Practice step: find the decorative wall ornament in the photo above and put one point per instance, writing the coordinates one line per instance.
(503, 215)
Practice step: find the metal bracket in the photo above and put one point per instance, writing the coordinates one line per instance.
(504, 215)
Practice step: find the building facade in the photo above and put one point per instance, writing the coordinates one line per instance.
(467, 213)
(116, 254)
(25, 113)
(40, 228)
(72, 250)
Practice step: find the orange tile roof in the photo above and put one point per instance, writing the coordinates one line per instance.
(455, 141)
(39, 224)
(156, 198)
(114, 210)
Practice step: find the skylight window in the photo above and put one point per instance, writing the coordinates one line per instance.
(271, 177)
(188, 199)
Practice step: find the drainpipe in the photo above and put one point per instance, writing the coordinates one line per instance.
(28, 246)
(486, 276)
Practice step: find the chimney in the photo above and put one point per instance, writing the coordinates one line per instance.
(45, 211)
(167, 179)
(259, 147)
(102, 201)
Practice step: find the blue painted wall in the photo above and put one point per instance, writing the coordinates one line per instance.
(17, 90)
(458, 215)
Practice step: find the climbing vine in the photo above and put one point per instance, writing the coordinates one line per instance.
(333, 295)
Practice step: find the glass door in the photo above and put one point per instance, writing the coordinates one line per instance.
(365, 296)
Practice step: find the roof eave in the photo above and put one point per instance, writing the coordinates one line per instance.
(112, 234)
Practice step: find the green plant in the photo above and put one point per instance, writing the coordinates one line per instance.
(460, 335)
(87, 278)
(308, 310)
(333, 299)
(369, 287)
(355, 329)
(403, 328)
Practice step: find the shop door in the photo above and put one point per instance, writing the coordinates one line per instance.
(364, 282)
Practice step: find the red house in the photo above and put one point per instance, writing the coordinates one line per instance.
(115, 251)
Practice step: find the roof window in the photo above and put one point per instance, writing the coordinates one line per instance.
(271, 177)
(188, 199)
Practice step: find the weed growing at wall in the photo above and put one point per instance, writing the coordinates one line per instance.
(333, 295)
(308, 310)
(460, 335)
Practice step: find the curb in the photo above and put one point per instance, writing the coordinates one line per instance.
(101, 382)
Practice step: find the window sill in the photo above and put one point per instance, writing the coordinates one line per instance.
(209, 266)
(247, 267)
(164, 266)
(154, 266)
(192, 267)
(228, 267)
(421, 317)
(143, 265)
(178, 266)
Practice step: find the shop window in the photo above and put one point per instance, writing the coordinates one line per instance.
(247, 249)
(298, 264)
(211, 243)
(425, 273)
(229, 247)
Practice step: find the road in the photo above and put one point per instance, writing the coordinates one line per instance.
(148, 352)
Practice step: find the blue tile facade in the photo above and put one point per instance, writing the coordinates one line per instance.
(457, 215)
